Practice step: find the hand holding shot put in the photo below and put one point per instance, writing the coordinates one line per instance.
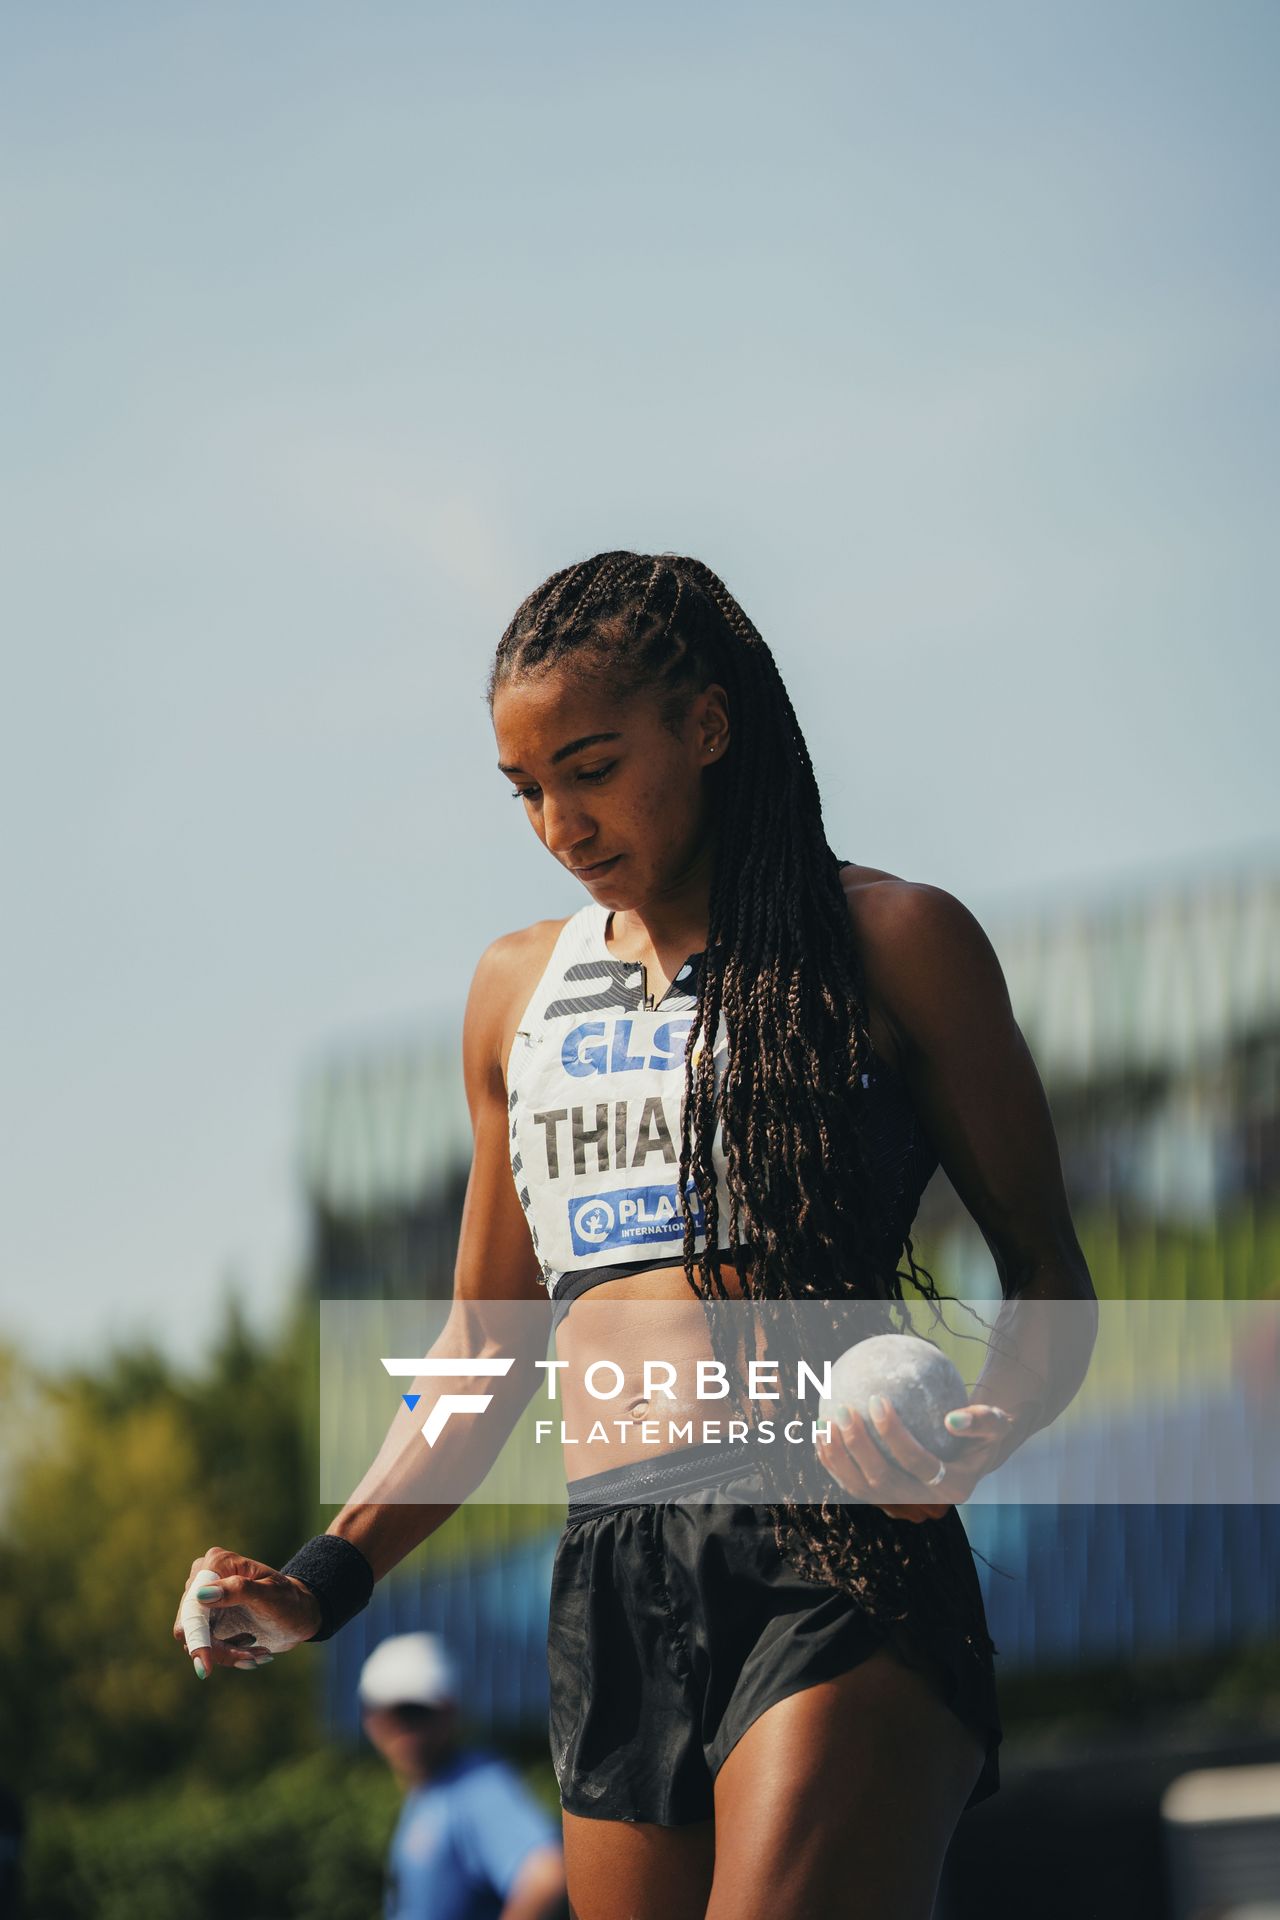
(891, 1459)
(855, 1455)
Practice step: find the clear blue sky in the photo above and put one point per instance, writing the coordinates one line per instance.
(947, 335)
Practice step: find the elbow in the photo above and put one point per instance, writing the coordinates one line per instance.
(489, 1329)
(1059, 1274)
(1041, 1258)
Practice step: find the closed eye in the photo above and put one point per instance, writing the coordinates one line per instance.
(596, 774)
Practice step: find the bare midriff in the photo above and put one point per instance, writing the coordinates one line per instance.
(598, 1328)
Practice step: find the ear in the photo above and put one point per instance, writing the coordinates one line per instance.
(711, 720)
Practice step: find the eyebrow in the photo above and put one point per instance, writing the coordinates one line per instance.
(562, 753)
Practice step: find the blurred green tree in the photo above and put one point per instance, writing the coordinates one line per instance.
(117, 1480)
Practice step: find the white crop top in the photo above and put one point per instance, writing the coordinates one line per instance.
(595, 1083)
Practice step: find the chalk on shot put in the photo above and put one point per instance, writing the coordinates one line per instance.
(917, 1379)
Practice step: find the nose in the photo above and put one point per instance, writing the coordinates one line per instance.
(564, 826)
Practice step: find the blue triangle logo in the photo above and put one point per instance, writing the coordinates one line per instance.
(411, 1400)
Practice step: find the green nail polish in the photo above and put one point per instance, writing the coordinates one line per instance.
(208, 1593)
(200, 1672)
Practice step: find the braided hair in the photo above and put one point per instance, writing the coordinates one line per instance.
(807, 1220)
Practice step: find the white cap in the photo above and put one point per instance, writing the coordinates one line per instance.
(409, 1669)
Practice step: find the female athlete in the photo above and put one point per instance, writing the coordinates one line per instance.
(760, 1709)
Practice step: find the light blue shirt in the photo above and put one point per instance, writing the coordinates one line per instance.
(461, 1840)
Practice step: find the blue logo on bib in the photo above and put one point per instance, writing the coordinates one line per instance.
(631, 1217)
(607, 1047)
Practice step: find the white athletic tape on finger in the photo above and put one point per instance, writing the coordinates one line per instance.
(193, 1616)
(202, 1627)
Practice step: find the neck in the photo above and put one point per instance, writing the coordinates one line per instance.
(673, 921)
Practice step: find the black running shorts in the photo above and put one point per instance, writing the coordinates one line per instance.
(675, 1622)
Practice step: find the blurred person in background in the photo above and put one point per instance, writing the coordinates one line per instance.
(471, 1841)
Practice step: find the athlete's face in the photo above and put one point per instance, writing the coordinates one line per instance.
(611, 793)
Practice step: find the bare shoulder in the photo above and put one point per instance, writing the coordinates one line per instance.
(885, 909)
(506, 974)
(865, 884)
(916, 941)
(919, 945)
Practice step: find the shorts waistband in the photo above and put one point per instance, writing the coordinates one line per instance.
(646, 1482)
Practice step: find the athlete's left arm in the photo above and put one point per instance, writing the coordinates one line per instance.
(975, 1086)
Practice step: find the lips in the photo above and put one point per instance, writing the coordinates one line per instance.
(598, 866)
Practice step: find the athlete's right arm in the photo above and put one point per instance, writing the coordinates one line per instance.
(386, 1516)
(495, 1264)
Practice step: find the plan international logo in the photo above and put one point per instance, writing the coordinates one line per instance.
(629, 1217)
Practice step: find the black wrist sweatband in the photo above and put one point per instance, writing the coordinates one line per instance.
(339, 1576)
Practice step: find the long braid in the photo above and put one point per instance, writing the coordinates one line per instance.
(782, 967)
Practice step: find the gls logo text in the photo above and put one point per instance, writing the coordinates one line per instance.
(447, 1403)
(600, 1047)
